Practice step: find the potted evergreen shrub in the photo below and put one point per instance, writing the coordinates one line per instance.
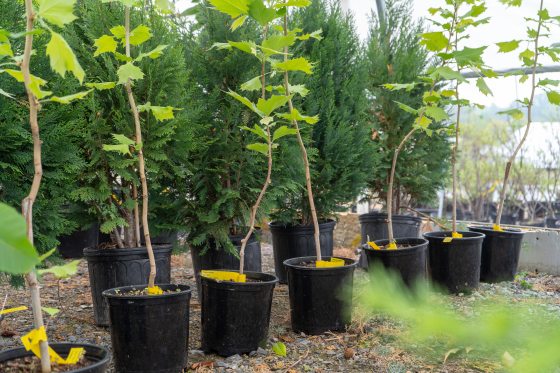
(501, 247)
(395, 55)
(339, 146)
(19, 256)
(454, 257)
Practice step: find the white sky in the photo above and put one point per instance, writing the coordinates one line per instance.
(506, 24)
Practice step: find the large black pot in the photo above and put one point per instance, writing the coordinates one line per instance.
(500, 253)
(73, 245)
(111, 268)
(411, 263)
(149, 333)
(99, 356)
(295, 241)
(215, 258)
(455, 265)
(235, 316)
(320, 298)
(374, 226)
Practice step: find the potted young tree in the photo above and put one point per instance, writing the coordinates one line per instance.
(395, 55)
(454, 257)
(142, 316)
(16, 246)
(501, 247)
(339, 146)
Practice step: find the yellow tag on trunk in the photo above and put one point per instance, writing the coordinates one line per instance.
(223, 276)
(15, 309)
(497, 228)
(456, 235)
(392, 246)
(334, 262)
(155, 290)
(32, 340)
(373, 245)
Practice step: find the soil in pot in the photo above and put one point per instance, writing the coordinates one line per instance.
(320, 298)
(295, 241)
(500, 253)
(18, 360)
(112, 268)
(149, 333)
(374, 227)
(409, 260)
(455, 262)
(235, 315)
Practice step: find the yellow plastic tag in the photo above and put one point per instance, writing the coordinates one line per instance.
(497, 228)
(32, 340)
(15, 309)
(392, 246)
(447, 239)
(334, 262)
(223, 276)
(456, 235)
(373, 245)
(155, 290)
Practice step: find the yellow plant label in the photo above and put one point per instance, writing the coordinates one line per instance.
(447, 239)
(373, 245)
(224, 276)
(155, 290)
(15, 309)
(32, 340)
(392, 246)
(497, 228)
(334, 262)
(456, 235)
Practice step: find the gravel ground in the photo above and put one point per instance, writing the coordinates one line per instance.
(370, 345)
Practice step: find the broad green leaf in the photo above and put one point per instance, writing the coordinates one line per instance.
(47, 254)
(259, 147)
(129, 71)
(527, 56)
(119, 32)
(275, 44)
(279, 349)
(483, 87)
(296, 64)
(261, 13)
(514, 113)
(153, 54)
(161, 113)
(448, 73)
(123, 144)
(269, 105)
(434, 41)
(62, 271)
(553, 97)
(50, 311)
(165, 6)
(36, 83)
(233, 8)
(122, 139)
(545, 82)
(511, 2)
(17, 253)
(257, 131)
(317, 35)
(469, 56)
(68, 99)
(423, 122)
(397, 86)
(297, 116)
(6, 50)
(508, 46)
(140, 34)
(436, 113)
(252, 85)
(62, 57)
(245, 46)
(238, 22)
(122, 57)
(105, 44)
(245, 101)
(283, 131)
(406, 108)
(101, 86)
(57, 12)
(299, 89)
(296, 3)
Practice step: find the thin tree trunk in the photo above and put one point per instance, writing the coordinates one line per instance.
(141, 163)
(529, 120)
(304, 155)
(454, 160)
(27, 203)
(136, 216)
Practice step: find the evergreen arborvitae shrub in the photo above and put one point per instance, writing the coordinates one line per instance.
(342, 155)
(395, 55)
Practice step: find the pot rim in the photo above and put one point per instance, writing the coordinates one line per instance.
(110, 293)
(273, 280)
(378, 214)
(445, 234)
(278, 225)
(92, 251)
(512, 231)
(421, 243)
(353, 263)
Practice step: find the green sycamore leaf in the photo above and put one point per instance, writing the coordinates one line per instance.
(279, 349)
(295, 3)
(283, 131)
(17, 253)
(296, 64)
(259, 147)
(238, 22)
(295, 115)
(508, 46)
(47, 254)
(165, 6)
(105, 44)
(6, 49)
(62, 57)
(245, 46)
(140, 34)
(36, 83)
(129, 71)
(422, 122)
(252, 85)
(553, 97)
(483, 87)
(57, 12)
(119, 32)
(269, 105)
(300, 89)
(514, 113)
(397, 86)
(261, 13)
(434, 41)
(123, 144)
(317, 35)
(446, 72)
(101, 86)
(436, 113)
(122, 57)
(275, 44)
(62, 271)
(469, 56)
(153, 54)
(406, 108)
(161, 113)
(233, 8)
(527, 56)
(257, 130)
(245, 101)
(545, 82)
(68, 99)
(50, 311)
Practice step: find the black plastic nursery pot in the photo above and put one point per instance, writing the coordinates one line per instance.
(112, 268)
(500, 253)
(149, 333)
(296, 241)
(410, 262)
(235, 315)
(97, 355)
(455, 265)
(73, 245)
(318, 298)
